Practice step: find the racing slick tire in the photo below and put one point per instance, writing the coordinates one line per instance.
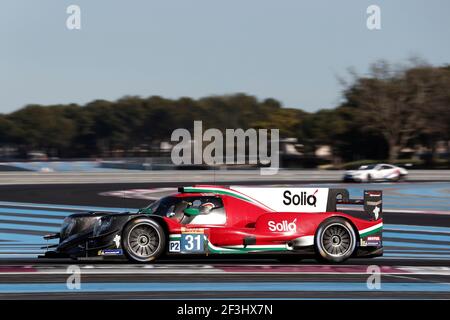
(335, 240)
(143, 240)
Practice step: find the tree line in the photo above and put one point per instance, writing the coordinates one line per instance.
(382, 112)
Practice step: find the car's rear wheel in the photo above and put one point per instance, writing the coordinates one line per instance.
(335, 240)
(143, 240)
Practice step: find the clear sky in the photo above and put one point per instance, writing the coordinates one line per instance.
(291, 50)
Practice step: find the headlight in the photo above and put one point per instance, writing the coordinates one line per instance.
(102, 225)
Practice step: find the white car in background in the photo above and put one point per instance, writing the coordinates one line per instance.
(376, 172)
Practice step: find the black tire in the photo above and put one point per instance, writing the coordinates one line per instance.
(335, 240)
(143, 240)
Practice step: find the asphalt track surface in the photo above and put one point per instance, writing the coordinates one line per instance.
(416, 264)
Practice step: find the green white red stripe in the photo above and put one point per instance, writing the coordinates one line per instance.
(371, 230)
(239, 248)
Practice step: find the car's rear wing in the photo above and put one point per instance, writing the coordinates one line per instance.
(372, 201)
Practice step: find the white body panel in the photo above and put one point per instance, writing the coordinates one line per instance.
(288, 199)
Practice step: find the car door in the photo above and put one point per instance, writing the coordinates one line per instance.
(386, 172)
(377, 172)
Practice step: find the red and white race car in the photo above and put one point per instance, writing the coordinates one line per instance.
(207, 220)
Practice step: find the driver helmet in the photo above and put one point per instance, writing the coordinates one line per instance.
(205, 208)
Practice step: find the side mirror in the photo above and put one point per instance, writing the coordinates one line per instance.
(145, 211)
(191, 211)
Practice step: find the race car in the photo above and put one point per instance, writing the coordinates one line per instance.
(376, 172)
(290, 223)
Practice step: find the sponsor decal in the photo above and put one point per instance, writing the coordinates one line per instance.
(373, 241)
(117, 241)
(192, 230)
(301, 199)
(283, 226)
(288, 199)
(376, 212)
(373, 203)
(110, 252)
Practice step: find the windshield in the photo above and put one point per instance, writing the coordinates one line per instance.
(367, 167)
(153, 206)
(160, 206)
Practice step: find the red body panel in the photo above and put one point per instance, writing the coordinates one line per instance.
(245, 219)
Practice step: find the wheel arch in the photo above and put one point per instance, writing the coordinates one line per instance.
(159, 220)
(321, 254)
(355, 229)
(155, 220)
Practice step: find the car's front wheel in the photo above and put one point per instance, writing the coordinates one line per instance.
(335, 240)
(143, 240)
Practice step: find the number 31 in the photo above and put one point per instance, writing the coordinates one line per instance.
(193, 242)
